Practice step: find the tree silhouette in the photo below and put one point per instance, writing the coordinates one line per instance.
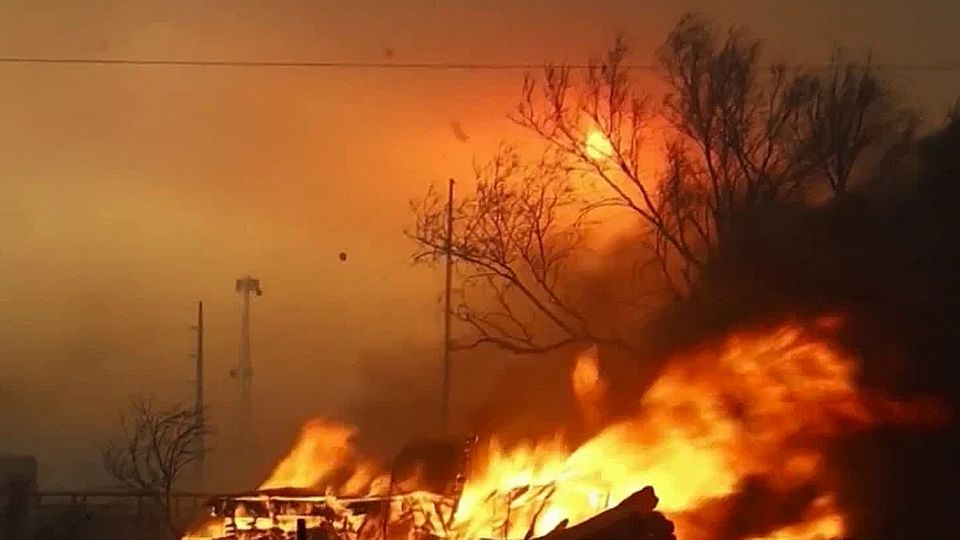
(156, 446)
(735, 134)
(515, 235)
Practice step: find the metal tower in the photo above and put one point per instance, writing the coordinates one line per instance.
(245, 286)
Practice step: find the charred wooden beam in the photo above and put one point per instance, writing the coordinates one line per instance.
(634, 518)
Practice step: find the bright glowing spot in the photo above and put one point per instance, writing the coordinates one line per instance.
(586, 373)
(597, 146)
(588, 387)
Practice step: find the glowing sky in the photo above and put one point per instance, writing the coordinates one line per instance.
(126, 193)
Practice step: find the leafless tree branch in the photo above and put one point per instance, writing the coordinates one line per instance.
(735, 136)
(156, 445)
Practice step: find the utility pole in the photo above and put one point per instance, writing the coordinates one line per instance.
(244, 371)
(198, 407)
(445, 403)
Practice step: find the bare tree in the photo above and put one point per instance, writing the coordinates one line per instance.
(736, 134)
(735, 141)
(157, 445)
(851, 114)
(745, 135)
(607, 107)
(517, 234)
(728, 128)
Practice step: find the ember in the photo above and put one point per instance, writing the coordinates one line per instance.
(758, 404)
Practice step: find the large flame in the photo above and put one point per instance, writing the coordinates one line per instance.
(321, 449)
(757, 407)
(759, 404)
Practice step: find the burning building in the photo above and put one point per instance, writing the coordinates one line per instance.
(736, 427)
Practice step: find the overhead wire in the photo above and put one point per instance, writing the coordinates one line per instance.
(463, 66)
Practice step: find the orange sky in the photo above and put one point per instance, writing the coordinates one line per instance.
(126, 193)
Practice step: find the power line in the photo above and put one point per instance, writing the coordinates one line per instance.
(294, 64)
(463, 66)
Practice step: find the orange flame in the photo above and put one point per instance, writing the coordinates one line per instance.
(823, 521)
(321, 449)
(588, 387)
(759, 404)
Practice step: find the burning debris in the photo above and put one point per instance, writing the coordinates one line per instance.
(274, 514)
(732, 435)
(278, 514)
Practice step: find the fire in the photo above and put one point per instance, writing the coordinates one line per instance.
(757, 404)
(588, 387)
(757, 407)
(322, 453)
(824, 521)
